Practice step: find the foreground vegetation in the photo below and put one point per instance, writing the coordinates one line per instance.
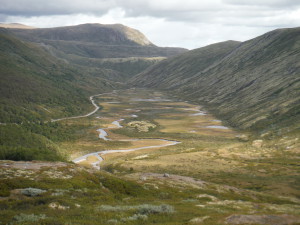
(214, 176)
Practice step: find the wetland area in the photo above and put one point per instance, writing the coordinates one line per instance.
(145, 157)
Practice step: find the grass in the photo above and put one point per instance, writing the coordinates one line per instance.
(217, 175)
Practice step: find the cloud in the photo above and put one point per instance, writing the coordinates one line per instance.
(188, 23)
(54, 7)
(265, 3)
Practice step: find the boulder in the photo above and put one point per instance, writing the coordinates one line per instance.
(257, 143)
(32, 192)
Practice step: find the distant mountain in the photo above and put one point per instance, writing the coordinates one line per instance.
(91, 43)
(115, 34)
(254, 85)
(15, 26)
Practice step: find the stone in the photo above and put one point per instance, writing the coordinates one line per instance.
(198, 220)
(211, 197)
(257, 143)
(55, 205)
(263, 219)
(166, 175)
(143, 178)
(32, 192)
(242, 137)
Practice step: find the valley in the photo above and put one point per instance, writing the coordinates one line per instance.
(162, 134)
(157, 149)
(98, 125)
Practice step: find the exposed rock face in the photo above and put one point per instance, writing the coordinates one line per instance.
(263, 219)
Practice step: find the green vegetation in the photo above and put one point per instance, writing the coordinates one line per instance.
(211, 175)
(252, 86)
(31, 141)
(208, 177)
(36, 86)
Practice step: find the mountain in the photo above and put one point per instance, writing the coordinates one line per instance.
(171, 73)
(35, 85)
(98, 45)
(253, 85)
(15, 26)
(115, 34)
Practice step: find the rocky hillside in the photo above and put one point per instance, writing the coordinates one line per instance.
(253, 85)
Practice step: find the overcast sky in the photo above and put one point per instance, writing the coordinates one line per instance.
(181, 23)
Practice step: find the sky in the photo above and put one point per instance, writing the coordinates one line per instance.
(167, 23)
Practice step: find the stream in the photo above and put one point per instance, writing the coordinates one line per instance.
(103, 135)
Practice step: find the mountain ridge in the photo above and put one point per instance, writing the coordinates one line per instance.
(91, 38)
(88, 45)
(253, 87)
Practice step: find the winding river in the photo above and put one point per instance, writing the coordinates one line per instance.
(103, 135)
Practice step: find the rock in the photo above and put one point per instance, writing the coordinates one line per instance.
(242, 137)
(55, 205)
(198, 220)
(166, 175)
(263, 219)
(32, 192)
(143, 178)
(257, 143)
(211, 197)
(77, 205)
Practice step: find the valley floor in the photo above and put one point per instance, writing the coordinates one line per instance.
(162, 161)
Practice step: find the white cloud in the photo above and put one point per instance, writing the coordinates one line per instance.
(189, 23)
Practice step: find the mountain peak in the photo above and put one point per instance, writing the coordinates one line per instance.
(128, 33)
(110, 34)
(15, 26)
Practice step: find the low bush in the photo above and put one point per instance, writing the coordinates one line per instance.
(21, 218)
(145, 209)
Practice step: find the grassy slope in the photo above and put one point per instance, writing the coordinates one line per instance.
(35, 87)
(32, 79)
(255, 86)
(220, 175)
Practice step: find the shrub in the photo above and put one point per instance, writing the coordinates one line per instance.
(28, 218)
(137, 217)
(32, 192)
(112, 221)
(147, 209)
(144, 209)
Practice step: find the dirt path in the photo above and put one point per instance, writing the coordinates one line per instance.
(86, 115)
